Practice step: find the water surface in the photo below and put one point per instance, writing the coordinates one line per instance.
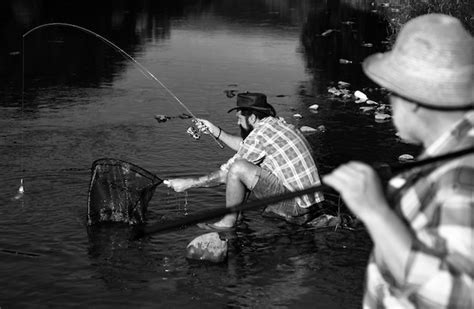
(82, 101)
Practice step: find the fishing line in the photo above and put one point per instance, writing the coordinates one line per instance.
(21, 189)
(141, 68)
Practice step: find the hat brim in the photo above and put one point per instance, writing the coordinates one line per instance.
(269, 110)
(419, 85)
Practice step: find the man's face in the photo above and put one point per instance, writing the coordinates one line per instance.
(243, 123)
(405, 120)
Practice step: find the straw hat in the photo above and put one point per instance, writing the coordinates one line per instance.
(254, 101)
(432, 62)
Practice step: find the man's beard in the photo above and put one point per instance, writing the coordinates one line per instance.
(245, 132)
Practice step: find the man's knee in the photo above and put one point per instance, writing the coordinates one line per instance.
(240, 167)
(243, 170)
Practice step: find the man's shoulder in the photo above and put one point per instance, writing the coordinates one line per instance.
(458, 174)
(276, 122)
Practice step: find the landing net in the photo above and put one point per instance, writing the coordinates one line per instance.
(119, 191)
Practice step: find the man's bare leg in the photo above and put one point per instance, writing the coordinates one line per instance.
(240, 177)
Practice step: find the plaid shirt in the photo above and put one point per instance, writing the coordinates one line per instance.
(437, 204)
(281, 149)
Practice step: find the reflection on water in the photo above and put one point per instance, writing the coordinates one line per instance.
(84, 101)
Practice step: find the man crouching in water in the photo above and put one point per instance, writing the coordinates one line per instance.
(272, 158)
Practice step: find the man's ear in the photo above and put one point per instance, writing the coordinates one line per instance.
(252, 119)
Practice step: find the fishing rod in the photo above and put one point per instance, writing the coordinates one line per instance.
(212, 214)
(141, 68)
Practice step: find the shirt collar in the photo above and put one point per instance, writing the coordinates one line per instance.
(449, 140)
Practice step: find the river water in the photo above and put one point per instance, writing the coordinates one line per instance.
(75, 99)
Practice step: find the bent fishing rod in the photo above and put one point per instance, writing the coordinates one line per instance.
(141, 68)
(212, 214)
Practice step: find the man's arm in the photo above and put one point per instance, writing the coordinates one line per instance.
(210, 180)
(232, 141)
(434, 272)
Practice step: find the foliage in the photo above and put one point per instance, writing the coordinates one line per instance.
(461, 9)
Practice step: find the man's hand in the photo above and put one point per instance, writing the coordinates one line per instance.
(179, 184)
(360, 187)
(206, 127)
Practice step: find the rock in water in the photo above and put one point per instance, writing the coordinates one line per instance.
(325, 220)
(207, 247)
(361, 97)
(406, 158)
(161, 118)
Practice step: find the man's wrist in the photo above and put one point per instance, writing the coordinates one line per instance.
(219, 134)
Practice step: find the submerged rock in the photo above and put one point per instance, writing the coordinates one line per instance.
(327, 32)
(344, 61)
(366, 109)
(325, 220)
(230, 93)
(207, 247)
(161, 118)
(360, 96)
(382, 116)
(343, 84)
(185, 116)
(406, 158)
(309, 130)
(306, 129)
(321, 128)
(347, 22)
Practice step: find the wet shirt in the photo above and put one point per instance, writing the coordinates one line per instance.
(437, 204)
(281, 149)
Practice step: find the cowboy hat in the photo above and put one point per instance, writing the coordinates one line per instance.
(432, 62)
(253, 101)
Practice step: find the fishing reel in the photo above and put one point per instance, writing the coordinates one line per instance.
(201, 129)
(197, 132)
(194, 132)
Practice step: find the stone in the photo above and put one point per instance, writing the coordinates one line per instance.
(161, 118)
(366, 109)
(207, 247)
(360, 96)
(321, 128)
(306, 129)
(327, 32)
(343, 84)
(325, 220)
(382, 116)
(406, 158)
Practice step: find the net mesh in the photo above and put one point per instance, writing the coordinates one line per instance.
(119, 191)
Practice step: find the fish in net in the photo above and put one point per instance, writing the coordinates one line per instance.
(119, 191)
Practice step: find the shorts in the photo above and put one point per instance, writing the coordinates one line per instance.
(266, 184)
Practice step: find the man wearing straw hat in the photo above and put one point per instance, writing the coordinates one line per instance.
(423, 230)
(272, 158)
